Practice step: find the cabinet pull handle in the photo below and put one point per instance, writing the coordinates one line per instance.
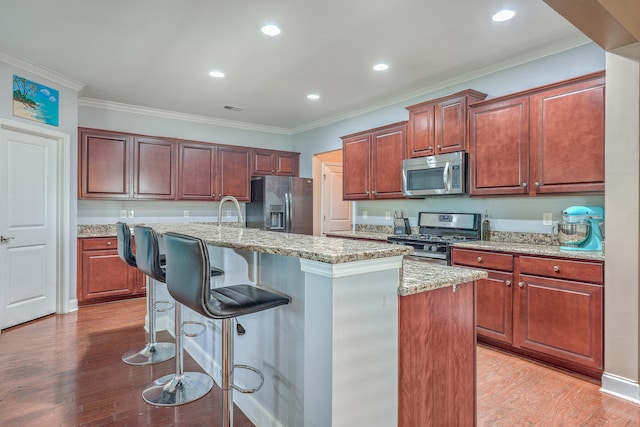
(507, 282)
(556, 268)
(524, 185)
(479, 259)
(521, 284)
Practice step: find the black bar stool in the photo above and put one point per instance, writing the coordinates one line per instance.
(153, 351)
(188, 283)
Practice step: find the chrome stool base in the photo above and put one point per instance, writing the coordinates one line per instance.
(150, 354)
(171, 390)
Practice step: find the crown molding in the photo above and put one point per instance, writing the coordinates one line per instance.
(566, 44)
(41, 71)
(134, 109)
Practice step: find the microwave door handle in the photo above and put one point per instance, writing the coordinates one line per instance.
(446, 176)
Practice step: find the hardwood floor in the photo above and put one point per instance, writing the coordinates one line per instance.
(66, 371)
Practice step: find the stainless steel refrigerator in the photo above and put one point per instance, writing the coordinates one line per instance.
(281, 203)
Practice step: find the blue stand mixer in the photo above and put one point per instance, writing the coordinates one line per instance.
(580, 229)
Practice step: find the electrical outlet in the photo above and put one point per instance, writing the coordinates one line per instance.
(186, 214)
(228, 214)
(387, 215)
(547, 218)
(364, 215)
(123, 213)
(131, 214)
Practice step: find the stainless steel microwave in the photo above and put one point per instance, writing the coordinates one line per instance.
(434, 175)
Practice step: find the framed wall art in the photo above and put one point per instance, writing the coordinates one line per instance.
(34, 101)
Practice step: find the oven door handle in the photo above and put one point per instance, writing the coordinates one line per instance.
(446, 177)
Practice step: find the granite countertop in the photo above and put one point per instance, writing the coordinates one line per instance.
(323, 249)
(526, 248)
(359, 235)
(419, 276)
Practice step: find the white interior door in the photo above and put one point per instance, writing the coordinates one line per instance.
(336, 213)
(28, 224)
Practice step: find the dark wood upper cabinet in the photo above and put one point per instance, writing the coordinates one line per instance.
(542, 141)
(567, 138)
(104, 165)
(270, 162)
(197, 171)
(372, 163)
(439, 126)
(499, 147)
(155, 164)
(234, 167)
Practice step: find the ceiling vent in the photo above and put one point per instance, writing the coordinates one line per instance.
(232, 108)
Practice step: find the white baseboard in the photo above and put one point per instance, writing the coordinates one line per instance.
(620, 387)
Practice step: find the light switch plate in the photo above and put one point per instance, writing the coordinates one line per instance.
(364, 215)
(387, 215)
(130, 214)
(186, 214)
(123, 213)
(547, 218)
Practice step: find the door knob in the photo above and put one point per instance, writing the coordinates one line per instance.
(5, 239)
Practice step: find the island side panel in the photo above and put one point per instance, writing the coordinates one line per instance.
(351, 343)
(437, 360)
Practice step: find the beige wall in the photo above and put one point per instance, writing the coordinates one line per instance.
(622, 209)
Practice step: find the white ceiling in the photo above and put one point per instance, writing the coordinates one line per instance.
(158, 53)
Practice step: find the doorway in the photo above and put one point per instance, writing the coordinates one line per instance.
(327, 194)
(34, 222)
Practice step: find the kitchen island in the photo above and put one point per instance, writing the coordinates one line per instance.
(331, 357)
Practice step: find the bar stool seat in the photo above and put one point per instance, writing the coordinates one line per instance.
(152, 352)
(188, 283)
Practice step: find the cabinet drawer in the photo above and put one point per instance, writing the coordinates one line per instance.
(99, 243)
(482, 259)
(583, 271)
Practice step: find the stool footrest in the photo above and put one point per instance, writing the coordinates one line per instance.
(249, 390)
(193, 322)
(159, 306)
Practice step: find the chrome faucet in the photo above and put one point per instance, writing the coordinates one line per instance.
(235, 202)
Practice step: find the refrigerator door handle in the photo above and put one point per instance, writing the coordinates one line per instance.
(288, 213)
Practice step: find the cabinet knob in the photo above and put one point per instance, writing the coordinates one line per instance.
(524, 185)
(521, 284)
(556, 268)
(479, 259)
(507, 282)
(438, 147)
(108, 243)
(537, 184)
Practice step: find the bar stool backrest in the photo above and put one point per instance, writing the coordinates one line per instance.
(125, 252)
(148, 252)
(188, 271)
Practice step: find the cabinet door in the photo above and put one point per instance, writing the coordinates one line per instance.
(421, 131)
(287, 164)
(567, 138)
(264, 162)
(387, 152)
(234, 167)
(499, 148)
(105, 166)
(105, 275)
(451, 125)
(197, 171)
(494, 299)
(560, 318)
(356, 152)
(154, 168)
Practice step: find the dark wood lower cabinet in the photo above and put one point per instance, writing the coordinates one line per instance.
(437, 360)
(102, 275)
(545, 308)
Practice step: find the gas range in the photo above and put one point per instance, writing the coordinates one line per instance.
(437, 232)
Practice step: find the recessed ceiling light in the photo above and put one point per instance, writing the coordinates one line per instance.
(381, 67)
(270, 30)
(313, 96)
(503, 15)
(217, 74)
